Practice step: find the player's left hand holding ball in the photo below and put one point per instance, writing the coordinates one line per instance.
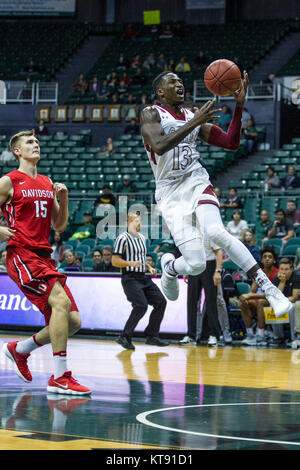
(60, 190)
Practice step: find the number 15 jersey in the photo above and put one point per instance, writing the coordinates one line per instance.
(183, 158)
(29, 211)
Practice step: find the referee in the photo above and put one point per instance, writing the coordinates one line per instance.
(130, 255)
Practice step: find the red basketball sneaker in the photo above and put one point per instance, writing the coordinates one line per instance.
(66, 384)
(19, 360)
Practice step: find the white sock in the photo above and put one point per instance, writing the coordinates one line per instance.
(261, 332)
(60, 363)
(261, 279)
(27, 346)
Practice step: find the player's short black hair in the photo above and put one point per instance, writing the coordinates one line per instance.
(158, 80)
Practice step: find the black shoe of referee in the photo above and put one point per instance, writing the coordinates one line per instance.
(125, 342)
(155, 341)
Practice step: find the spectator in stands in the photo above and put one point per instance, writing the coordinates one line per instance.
(139, 78)
(105, 197)
(149, 62)
(292, 214)
(122, 89)
(70, 259)
(250, 133)
(254, 302)
(270, 82)
(182, 66)
(7, 156)
(104, 90)
(188, 97)
(58, 248)
(105, 265)
(78, 261)
(233, 201)
(170, 66)
(164, 246)
(80, 85)
(127, 186)
(245, 116)
(114, 98)
(249, 240)
(136, 62)
(109, 147)
(123, 62)
(132, 128)
(225, 119)
(97, 258)
(41, 129)
(31, 69)
(144, 99)
(94, 86)
(262, 226)
(282, 227)
(201, 61)
(87, 230)
(129, 32)
(291, 181)
(161, 62)
(237, 225)
(125, 78)
(166, 32)
(272, 180)
(219, 195)
(3, 261)
(112, 80)
(150, 260)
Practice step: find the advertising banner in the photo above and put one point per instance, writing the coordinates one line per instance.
(37, 7)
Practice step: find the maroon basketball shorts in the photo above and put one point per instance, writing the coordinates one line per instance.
(35, 275)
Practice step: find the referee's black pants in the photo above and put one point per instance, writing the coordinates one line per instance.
(195, 285)
(141, 291)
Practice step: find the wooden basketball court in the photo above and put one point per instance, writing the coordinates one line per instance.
(176, 397)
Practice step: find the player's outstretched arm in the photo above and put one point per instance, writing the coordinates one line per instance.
(160, 142)
(6, 193)
(60, 212)
(229, 140)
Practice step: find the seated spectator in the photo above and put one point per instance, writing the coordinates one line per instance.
(112, 81)
(122, 89)
(233, 201)
(139, 78)
(3, 261)
(105, 265)
(144, 99)
(250, 133)
(109, 148)
(129, 32)
(70, 259)
(270, 82)
(123, 62)
(104, 90)
(105, 197)
(262, 226)
(132, 128)
(94, 86)
(150, 260)
(97, 258)
(7, 156)
(78, 261)
(272, 180)
(41, 129)
(219, 195)
(136, 62)
(201, 60)
(166, 32)
(282, 227)
(237, 225)
(183, 66)
(30, 69)
(125, 78)
(114, 99)
(188, 97)
(161, 62)
(291, 180)
(58, 248)
(225, 119)
(245, 117)
(80, 85)
(164, 246)
(87, 230)
(127, 186)
(254, 302)
(170, 66)
(249, 240)
(149, 62)
(292, 214)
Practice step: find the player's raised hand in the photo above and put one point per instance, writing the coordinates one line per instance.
(206, 112)
(240, 93)
(6, 234)
(60, 190)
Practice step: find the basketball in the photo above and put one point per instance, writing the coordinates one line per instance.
(222, 77)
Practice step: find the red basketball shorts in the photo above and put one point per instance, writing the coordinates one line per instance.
(35, 276)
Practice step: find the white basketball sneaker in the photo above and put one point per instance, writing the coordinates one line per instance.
(169, 283)
(279, 303)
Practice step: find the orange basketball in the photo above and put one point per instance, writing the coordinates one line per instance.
(222, 77)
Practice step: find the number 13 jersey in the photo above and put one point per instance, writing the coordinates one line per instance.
(29, 211)
(183, 158)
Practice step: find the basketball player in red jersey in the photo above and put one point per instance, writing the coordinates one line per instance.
(29, 203)
(183, 189)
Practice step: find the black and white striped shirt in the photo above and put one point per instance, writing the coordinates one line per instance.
(131, 248)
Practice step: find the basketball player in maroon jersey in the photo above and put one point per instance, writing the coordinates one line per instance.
(29, 203)
(183, 188)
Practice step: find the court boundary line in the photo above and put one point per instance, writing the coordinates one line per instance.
(142, 418)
